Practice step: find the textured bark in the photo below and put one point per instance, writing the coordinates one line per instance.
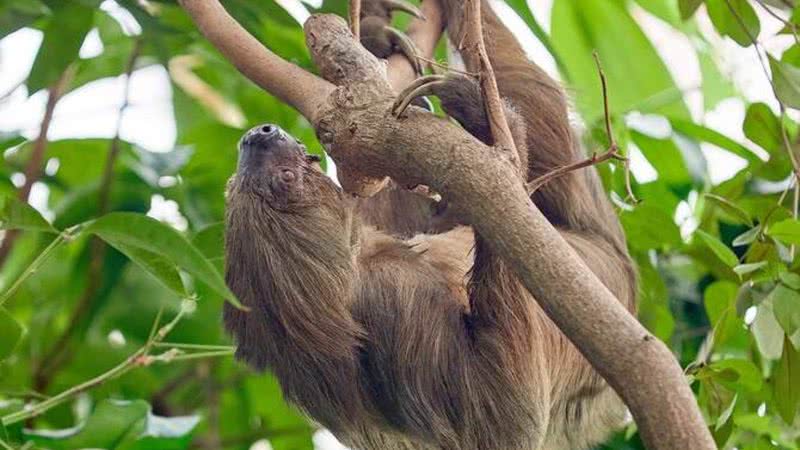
(356, 126)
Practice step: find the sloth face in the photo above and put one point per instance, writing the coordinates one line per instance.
(275, 167)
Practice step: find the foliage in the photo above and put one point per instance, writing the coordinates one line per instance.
(719, 276)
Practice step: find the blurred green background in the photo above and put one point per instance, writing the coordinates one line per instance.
(118, 126)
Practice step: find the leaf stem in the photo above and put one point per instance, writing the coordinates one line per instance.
(34, 266)
(139, 358)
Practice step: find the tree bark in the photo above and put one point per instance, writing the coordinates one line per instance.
(355, 124)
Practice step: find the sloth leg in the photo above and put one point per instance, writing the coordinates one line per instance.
(380, 38)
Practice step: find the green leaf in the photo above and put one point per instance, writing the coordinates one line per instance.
(790, 279)
(762, 127)
(63, 37)
(786, 231)
(744, 269)
(786, 82)
(786, 306)
(579, 28)
(721, 250)
(131, 230)
(649, 227)
(747, 237)
(665, 156)
(156, 265)
(705, 134)
(15, 214)
(719, 300)
(735, 19)
(688, 7)
(10, 333)
(665, 10)
(767, 331)
(737, 374)
(786, 385)
(121, 425)
(731, 208)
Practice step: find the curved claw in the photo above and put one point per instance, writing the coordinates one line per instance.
(421, 86)
(402, 5)
(406, 46)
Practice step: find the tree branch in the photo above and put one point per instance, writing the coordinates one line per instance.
(355, 18)
(33, 169)
(291, 84)
(473, 49)
(356, 126)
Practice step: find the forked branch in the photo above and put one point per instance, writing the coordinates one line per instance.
(612, 152)
(356, 126)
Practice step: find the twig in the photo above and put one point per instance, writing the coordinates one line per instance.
(447, 67)
(355, 18)
(59, 354)
(474, 52)
(787, 23)
(33, 168)
(62, 237)
(611, 153)
(754, 40)
(139, 358)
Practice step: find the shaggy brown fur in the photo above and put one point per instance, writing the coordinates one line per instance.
(398, 340)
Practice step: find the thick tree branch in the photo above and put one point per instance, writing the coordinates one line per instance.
(356, 126)
(291, 84)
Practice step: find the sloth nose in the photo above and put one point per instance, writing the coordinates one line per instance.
(267, 130)
(261, 136)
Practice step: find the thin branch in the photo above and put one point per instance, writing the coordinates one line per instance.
(754, 40)
(474, 52)
(355, 18)
(787, 23)
(611, 153)
(137, 359)
(33, 168)
(59, 353)
(447, 67)
(290, 83)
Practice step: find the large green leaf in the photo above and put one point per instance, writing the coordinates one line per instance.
(734, 18)
(786, 305)
(786, 385)
(63, 37)
(787, 231)
(786, 82)
(15, 214)
(721, 250)
(720, 303)
(688, 7)
(649, 227)
(578, 28)
(129, 230)
(10, 333)
(121, 425)
(767, 331)
(15, 14)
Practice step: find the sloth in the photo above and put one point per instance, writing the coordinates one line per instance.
(389, 320)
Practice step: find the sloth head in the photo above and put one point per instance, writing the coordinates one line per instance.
(276, 171)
